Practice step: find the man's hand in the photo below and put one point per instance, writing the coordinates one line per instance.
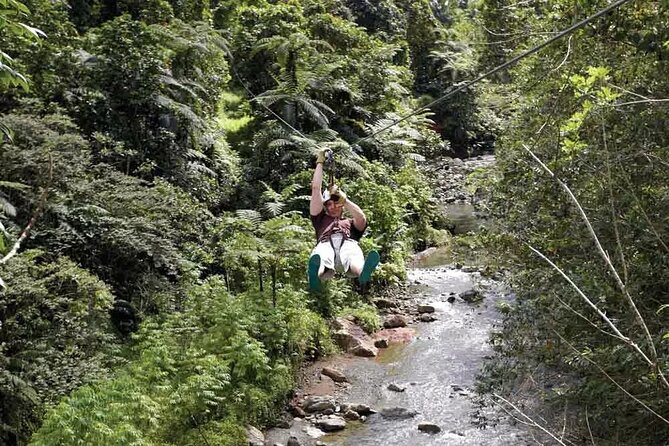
(338, 195)
(322, 155)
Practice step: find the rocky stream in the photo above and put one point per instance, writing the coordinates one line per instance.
(411, 383)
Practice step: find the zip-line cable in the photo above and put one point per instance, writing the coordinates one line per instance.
(254, 97)
(500, 67)
(456, 90)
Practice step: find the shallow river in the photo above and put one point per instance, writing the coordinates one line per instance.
(437, 368)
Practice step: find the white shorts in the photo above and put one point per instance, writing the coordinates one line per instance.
(348, 253)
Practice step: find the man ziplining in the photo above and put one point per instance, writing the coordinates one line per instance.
(337, 238)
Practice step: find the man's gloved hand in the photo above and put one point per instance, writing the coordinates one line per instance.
(338, 195)
(322, 155)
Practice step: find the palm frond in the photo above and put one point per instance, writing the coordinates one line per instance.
(250, 215)
(415, 156)
(314, 113)
(289, 190)
(274, 208)
(202, 169)
(7, 207)
(14, 186)
(353, 166)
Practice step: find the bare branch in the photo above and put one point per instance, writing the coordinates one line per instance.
(645, 101)
(570, 308)
(529, 419)
(587, 422)
(654, 363)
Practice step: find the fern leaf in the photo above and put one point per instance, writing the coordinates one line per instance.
(274, 208)
(250, 215)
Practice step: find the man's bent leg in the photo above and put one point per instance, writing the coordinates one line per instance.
(327, 260)
(352, 258)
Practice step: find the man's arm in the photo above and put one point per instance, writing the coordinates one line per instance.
(316, 203)
(359, 219)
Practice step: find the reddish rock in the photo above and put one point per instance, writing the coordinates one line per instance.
(395, 321)
(335, 374)
(353, 339)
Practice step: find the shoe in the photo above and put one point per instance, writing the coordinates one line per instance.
(314, 265)
(370, 265)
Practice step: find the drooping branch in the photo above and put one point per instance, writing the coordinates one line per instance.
(654, 362)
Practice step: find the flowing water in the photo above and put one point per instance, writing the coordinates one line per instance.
(437, 368)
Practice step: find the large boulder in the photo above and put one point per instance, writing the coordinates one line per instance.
(353, 339)
(255, 436)
(331, 423)
(318, 403)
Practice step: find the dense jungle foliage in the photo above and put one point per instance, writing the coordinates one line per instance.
(594, 110)
(160, 152)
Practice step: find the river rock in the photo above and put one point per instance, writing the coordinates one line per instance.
(398, 413)
(318, 403)
(353, 339)
(362, 409)
(384, 303)
(471, 296)
(335, 374)
(331, 423)
(395, 321)
(297, 411)
(425, 308)
(429, 428)
(427, 318)
(424, 254)
(381, 343)
(395, 388)
(255, 436)
(352, 415)
(293, 441)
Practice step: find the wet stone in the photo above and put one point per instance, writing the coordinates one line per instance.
(384, 303)
(352, 415)
(427, 318)
(398, 413)
(395, 388)
(318, 404)
(429, 428)
(426, 308)
(471, 296)
(297, 412)
(361, 409)
(331, 423)
(381, 343)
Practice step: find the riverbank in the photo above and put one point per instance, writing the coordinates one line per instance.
(418, 390)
